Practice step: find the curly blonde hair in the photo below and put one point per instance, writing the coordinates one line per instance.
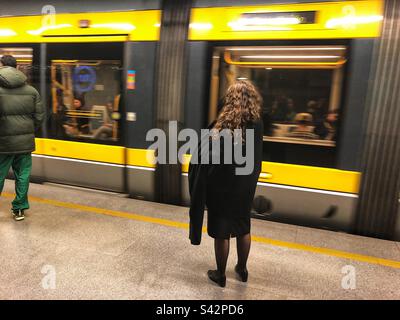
(242, 104)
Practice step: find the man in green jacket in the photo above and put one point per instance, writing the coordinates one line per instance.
(21, 113)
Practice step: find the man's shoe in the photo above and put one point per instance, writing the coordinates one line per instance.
(242, 274)
(215, 276)
(19, 215)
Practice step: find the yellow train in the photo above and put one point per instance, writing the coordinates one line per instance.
(96, 72)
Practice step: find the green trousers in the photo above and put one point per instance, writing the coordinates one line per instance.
(22, 166)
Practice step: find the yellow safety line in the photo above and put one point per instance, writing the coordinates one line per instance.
(183, 225)
(329, 252)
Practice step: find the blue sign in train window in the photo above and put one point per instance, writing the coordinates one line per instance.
(84, 78)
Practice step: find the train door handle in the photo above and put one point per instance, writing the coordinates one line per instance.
(332, 210)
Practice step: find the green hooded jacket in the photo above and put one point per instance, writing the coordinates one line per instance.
(21, 112)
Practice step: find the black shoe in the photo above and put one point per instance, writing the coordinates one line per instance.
(243, 274)
(215, 276)
(19, 215)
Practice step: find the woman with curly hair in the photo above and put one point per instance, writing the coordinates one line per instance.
(227, 194)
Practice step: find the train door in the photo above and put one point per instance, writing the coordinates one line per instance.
(301, 87)
(84, 144)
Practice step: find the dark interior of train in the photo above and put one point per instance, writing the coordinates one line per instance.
(301, 87)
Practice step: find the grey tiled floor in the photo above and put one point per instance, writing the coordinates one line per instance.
(104, 257)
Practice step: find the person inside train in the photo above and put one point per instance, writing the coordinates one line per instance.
(311, 106)
(59, 119)
(331, 125)
(22, 114)
(82, 121)
(328, 128)
(79, 124)
(304, 128)
(279, 109)
(291, 112)
(317, 109)
(106, 129)
(227, 195)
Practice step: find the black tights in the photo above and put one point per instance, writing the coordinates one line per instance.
(222, 251)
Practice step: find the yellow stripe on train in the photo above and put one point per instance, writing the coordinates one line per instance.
(310, 177)
(333, 20)
(103, 26)
(272, 172)
(80, 150)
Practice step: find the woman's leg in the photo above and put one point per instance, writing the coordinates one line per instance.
(243, 248)
(221, 247)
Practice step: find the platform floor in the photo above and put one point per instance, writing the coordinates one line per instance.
(104, 246)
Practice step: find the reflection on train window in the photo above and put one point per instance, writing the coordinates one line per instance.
(24, 58)
(300, 87)
(85, 99)
(297, 104)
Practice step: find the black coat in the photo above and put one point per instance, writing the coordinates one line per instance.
(218, 186)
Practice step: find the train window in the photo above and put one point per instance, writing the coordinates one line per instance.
(85, 99)
(297, 106)
(300, 86)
